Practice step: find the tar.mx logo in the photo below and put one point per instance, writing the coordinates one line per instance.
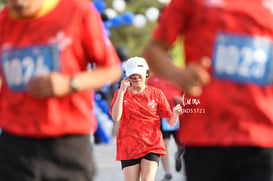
(191, 101)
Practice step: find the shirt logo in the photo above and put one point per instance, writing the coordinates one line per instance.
(125, 102)
(61, 40)
(152, 104)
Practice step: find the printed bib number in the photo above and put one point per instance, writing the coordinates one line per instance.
(243, 59)
(19, 65)
(166, 127)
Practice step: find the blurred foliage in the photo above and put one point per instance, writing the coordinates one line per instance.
(2, 3)
(129, 36)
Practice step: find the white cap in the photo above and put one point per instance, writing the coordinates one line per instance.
(136, 65)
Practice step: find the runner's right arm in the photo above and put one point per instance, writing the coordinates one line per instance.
(117, 108)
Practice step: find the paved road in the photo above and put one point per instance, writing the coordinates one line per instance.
(108, 169)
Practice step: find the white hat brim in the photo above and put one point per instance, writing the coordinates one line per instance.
(137, 70)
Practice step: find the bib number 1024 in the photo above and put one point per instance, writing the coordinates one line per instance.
(20, 65)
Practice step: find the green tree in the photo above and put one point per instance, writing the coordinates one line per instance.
(2, 4)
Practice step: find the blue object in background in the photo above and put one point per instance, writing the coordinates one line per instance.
(100, 5)
(116, 21)
(102, 133)
(127, 18)
(103, 105)
(104, 120)
(107, 24)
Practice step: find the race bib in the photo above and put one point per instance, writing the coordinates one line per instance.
(19, 65)
(243, 59)
(166, 127)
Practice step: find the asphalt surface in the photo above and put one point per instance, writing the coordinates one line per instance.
(108, 169)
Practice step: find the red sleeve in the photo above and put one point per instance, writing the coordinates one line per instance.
(173, 20)
(164, 109)
(99, 47)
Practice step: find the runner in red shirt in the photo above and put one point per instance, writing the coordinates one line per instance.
(138, 108)
(229, 95)
(45, 99)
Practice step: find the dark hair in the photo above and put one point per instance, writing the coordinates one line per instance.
(148, 73)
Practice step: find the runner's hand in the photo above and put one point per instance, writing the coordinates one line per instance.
(194, 77)
(51, 85)
(177, 109)
(125, 83)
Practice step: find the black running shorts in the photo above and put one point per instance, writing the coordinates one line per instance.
(150, 156)
(66, 158)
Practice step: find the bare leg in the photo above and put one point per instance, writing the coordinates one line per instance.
(165, 159)
(148, 170)
(132, 173)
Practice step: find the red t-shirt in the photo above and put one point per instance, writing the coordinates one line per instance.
(76, 28)
(139, 132)
(227, 113)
